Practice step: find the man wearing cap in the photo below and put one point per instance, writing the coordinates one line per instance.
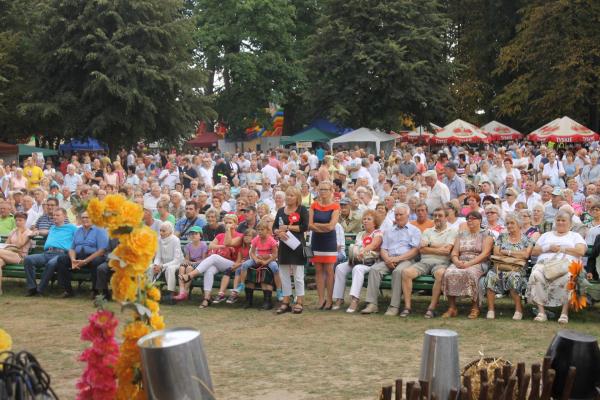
(250, 220)
(550, 210)
(17, 196)
(456, 184)
(438, 195)
(350, 220)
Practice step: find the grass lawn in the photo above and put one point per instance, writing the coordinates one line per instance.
(258, 355)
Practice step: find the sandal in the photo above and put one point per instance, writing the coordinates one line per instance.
(298, 308)
(429, 314)
(474, 314)
(541, 317)
(451, 313)
(405, 313)
(564, 319)
(283, 308)
(205, 303)
(185, 278)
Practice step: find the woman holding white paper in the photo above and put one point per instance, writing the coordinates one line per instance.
(291, 219)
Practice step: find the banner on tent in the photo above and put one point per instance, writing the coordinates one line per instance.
(304, 145)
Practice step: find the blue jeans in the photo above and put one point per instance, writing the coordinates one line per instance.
(251, 263)
(48, 260)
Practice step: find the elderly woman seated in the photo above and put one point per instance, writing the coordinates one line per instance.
(508, 276)
(168, 257)
(469, 258)
(546, 287)
(364, 253)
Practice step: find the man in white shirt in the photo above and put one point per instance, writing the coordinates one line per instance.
(271, 173)
(169, 177)
(313, 161)
(553, 171)
(363, 172)
(497, 172)
(151, 199)
(205, 171)
(529, 196)
(32, 215)
(72, 179)
(438, 195)
(374, 167)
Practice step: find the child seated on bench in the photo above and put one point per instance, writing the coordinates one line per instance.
(261, 268)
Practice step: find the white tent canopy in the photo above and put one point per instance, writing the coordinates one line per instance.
(363, 135)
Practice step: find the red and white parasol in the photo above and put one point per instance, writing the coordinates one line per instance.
(459, 131)
(563, 130)
(497, 131)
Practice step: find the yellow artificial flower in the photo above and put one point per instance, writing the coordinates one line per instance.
(95, 210)
(114, 203)
(135, 330)
(157, 322)
(123, 285)
(131, 214)
(137, 248)
(152, 305)
(5, 343)
(153, 293)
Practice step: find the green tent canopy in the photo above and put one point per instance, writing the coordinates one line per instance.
(26, 150)
(310, 135)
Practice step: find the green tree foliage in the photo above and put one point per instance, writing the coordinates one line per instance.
(19, 27)
(248, 49)
(118, 70)
(373, 61)
(478, 31)
(555, 58)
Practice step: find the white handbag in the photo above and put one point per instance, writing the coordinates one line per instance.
(555, 267)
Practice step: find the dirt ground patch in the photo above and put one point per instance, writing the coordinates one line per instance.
(258, 355)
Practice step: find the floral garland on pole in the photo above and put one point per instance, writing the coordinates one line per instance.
(5, 343)
(129, 261)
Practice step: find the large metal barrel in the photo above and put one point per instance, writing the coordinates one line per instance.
(174, 365)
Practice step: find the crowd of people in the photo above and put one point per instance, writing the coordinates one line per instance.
(484, 223)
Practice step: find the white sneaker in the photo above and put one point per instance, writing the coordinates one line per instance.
(490, 315)
(351, 310)
(517, 316)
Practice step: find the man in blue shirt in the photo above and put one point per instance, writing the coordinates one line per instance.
(399, 249)
(191, 218)
(58, 243)
(88, 250)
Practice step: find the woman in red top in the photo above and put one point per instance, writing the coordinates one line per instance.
(223, 251)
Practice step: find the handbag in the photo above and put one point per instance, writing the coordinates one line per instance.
(369, 258)
(555, 267)
(507, 264)
(306, 249)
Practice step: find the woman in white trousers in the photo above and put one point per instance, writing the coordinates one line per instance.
(363, 255)
(224, 248)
